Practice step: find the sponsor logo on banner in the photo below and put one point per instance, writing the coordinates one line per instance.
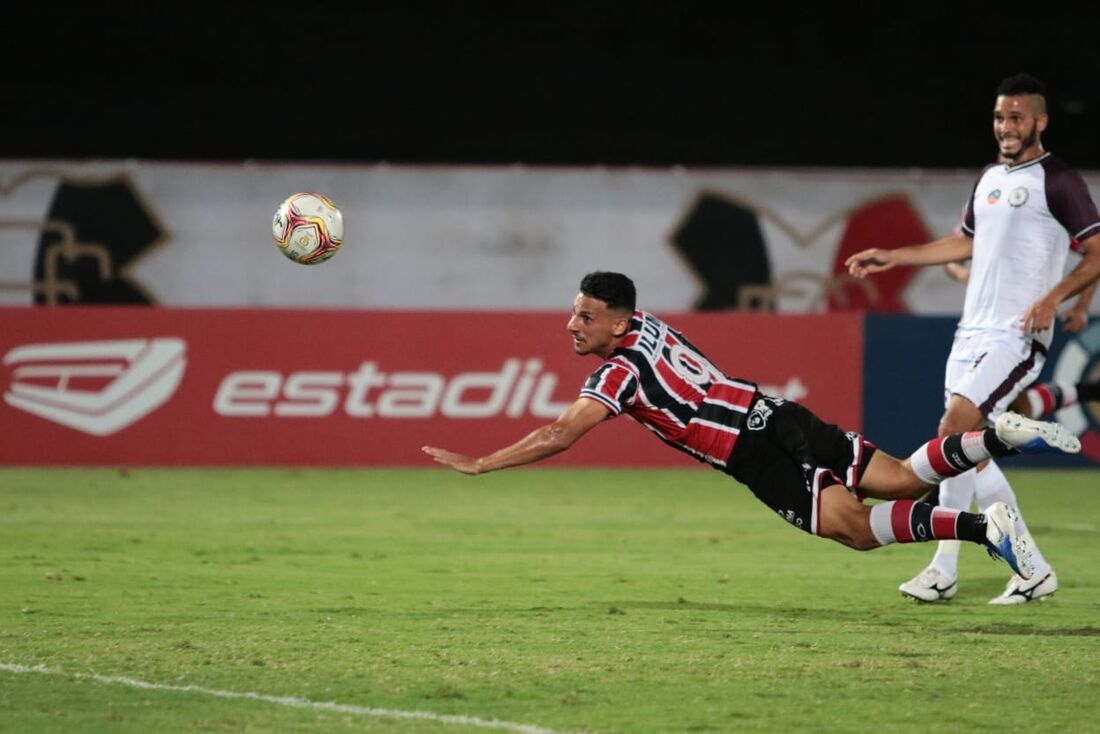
(97, 387)
(236, 387)
(519, 388)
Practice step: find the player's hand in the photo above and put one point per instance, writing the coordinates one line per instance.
(957, 271)
(1040, 316)
(458, 462)
(875, 260)
(1075, 320)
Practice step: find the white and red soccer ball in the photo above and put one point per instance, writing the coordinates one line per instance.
(308, 228)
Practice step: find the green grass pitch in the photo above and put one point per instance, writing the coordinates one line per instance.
(536, 600)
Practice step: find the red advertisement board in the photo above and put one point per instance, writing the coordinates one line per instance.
(206, 387)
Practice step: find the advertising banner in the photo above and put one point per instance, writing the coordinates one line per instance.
(122, 386)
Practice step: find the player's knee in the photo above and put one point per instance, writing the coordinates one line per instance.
(961, 415)
(951, 423)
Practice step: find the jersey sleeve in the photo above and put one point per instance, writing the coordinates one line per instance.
(613, 385)
(1069, 201)
(966, 226)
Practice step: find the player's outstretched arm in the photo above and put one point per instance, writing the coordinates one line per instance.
(579, 418)
(1041, 314)
(875, 260)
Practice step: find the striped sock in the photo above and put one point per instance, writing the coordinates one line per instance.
(951, 455)
(1048, 397)
(909, 521)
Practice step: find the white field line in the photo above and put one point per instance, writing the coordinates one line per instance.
(291, 701)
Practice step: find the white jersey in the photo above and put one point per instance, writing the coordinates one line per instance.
(1022, 219)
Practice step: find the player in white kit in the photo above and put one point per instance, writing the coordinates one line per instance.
(1019, 221)
(1047, 398)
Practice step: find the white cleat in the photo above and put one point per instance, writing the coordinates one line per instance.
(1002, 540)
(930, 585)
(1036, 437)
(1019, 591)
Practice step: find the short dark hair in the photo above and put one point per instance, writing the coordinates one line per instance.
(614, 289)
(1018, 84)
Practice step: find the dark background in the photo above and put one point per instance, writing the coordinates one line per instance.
(500, 83)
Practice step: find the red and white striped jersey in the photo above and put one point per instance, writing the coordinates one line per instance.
(661, 380)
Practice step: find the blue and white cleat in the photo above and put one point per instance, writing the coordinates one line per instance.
(1002, 540)
(1036, 437)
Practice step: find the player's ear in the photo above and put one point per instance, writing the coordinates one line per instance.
(1041, 122)
(620, 327)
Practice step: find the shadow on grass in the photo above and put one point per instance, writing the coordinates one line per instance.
(843, 615)
(1030, 629)
(769, 610)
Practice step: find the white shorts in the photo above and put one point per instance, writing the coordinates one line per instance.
(990, 368)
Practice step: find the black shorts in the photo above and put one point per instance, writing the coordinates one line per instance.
(786, 455)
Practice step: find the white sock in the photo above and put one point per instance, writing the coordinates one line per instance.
(956, 493)
(1035, 405)
(992, 486)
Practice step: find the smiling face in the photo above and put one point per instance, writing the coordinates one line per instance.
(595, 328)
(1018, 123)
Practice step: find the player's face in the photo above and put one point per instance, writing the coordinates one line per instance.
(1018, 122)
(595, 329)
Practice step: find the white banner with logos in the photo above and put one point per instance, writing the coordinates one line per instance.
(185, 234)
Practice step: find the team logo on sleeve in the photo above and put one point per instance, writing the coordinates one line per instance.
(993, 197)
(1018, 196)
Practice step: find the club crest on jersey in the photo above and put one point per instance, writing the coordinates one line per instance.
(758, 418)
(1018, 196)
(993, 197)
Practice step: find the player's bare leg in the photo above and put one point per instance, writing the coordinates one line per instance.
(843, 518)
(960, 415)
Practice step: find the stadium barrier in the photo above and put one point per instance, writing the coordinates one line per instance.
(121, 386)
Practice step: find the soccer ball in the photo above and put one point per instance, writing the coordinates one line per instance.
(308, 228)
